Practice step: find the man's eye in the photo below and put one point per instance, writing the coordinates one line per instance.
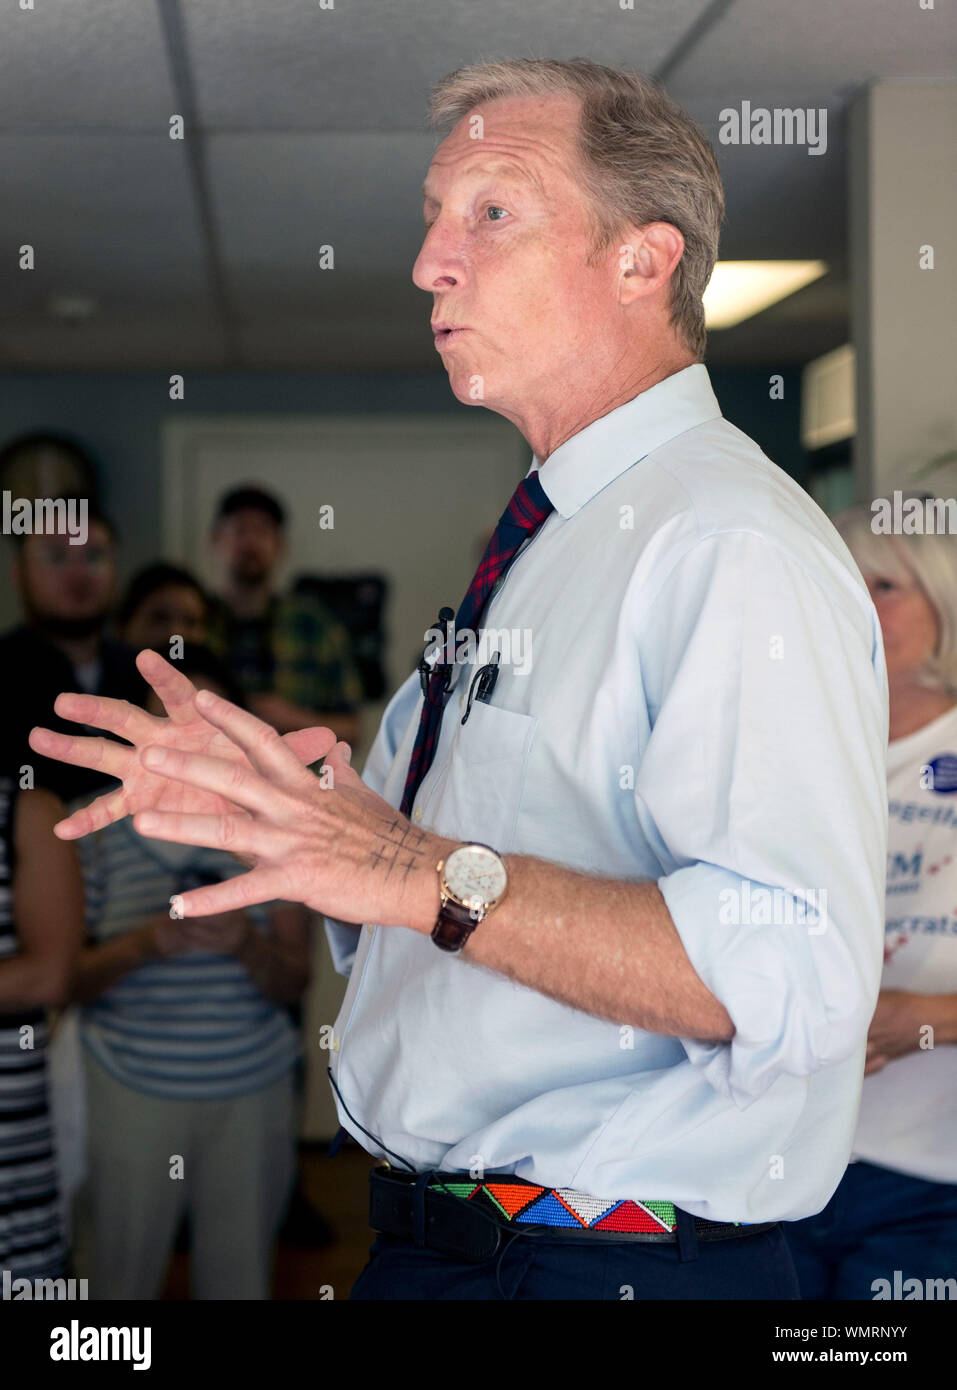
(493, 207)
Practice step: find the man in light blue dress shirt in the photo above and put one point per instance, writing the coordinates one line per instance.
(682, 778)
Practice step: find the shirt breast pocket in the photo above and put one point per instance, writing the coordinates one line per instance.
(479, 796)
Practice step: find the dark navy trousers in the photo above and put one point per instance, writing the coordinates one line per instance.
(877, 1222)
(754, 1267)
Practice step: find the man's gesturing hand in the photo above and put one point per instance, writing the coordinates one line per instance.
(186, 729)
(215, 775)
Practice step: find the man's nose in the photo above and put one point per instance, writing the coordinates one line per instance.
(439, 264)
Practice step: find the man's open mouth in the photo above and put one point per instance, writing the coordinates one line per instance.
(446, 333)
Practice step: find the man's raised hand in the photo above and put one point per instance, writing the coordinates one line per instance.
(185, 729)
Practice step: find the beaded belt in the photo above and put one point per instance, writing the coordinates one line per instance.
(528, 1204)
(463, 1215)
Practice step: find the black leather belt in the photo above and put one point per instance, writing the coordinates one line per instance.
(432, 1210)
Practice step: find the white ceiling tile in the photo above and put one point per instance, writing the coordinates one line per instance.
(279, 199)
(368, 65)
(99, 63)
(794, 53)
(314, 133)
(107, 215)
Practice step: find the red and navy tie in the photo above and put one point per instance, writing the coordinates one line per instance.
(526, 511)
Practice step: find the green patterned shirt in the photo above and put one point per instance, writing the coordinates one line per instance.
(297, 650)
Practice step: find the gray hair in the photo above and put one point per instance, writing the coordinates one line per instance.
(928, 559)
(644, 159)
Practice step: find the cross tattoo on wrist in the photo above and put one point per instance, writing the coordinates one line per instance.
(399, 846)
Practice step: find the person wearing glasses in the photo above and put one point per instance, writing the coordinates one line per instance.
(66, 593)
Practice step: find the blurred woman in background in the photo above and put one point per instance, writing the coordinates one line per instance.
(894, 1215)
(162, 600)
(189, 1058)
(41, 929)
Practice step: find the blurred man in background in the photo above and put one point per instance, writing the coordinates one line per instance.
(290, 655)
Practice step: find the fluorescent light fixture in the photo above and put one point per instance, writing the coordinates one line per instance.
(738, 290)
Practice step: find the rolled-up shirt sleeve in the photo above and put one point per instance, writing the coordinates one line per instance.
(762, 786)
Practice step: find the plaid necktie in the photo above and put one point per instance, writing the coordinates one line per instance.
(526, 511)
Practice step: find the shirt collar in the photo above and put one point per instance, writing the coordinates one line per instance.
(591, 459)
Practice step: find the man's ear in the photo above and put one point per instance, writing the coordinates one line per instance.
(647, 259)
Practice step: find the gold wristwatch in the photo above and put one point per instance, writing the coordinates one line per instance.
(472, 881)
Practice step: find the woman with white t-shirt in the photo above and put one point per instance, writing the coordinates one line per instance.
(893, 1219)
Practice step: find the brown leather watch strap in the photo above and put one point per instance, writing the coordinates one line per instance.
(453, 927)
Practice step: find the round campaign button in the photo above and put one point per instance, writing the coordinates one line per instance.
(943, 773)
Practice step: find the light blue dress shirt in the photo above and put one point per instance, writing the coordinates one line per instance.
(706, 707)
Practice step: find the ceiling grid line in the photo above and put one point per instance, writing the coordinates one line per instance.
(692, 36)
(174, 37)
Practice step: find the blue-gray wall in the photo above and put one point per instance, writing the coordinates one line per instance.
(120, 415)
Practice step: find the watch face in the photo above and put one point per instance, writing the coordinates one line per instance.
(475, 875)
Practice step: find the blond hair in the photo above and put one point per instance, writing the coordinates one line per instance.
(929, 560)
(643, 158)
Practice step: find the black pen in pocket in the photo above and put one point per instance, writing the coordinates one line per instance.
(483, 683)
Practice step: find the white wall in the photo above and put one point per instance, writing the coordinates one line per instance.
(903, 196)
